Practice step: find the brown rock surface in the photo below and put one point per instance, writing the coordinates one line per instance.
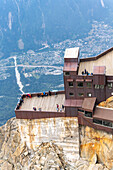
(45, 144)
(95, 143)
(108, 103)
(39, 144)
(6, 166)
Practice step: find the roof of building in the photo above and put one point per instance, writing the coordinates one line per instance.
(103, 59)
(73, 103)
(46, 103)
(98, 56)
(89, 104)
(71, 52)
(70, 66)
(103, 113)
(99, 70)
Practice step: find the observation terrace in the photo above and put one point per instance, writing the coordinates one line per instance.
(46, 105)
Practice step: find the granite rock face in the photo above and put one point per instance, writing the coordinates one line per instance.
(96, 146)
(39, 144)
(44, 144)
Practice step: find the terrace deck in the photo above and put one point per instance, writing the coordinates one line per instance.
(46, 103)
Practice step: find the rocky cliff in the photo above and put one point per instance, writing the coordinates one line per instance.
(96, 146)
(52, 144)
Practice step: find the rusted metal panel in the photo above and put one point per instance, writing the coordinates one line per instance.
(79, 80)
(103, 113)
(70, 66)
(100, 94)
(73, 103)
(37, 114)
(85, 120)
(89, 122)
(88, 80)
(71, 60)
(89, 104)
(71, 112)
(70, 80)
(99, 70)
(99, 80)
(95, 80)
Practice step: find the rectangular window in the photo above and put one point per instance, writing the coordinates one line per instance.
(79, 110)
(88, 114)
(71, 84)
(81, 94)
(110, 85)
(71, 94)
(66, 73)
(106, 123)
(89, 85)
(97, 121)
(89, 94)
(80, 84)
(103, 122)
(101, 86)
(97, 86)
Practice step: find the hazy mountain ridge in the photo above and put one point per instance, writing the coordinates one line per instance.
(30, 24)
(37, 32)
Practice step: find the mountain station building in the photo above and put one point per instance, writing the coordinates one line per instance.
(88, 93)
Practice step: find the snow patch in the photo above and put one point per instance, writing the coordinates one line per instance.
(102, 3)
(31, 52)
(18, 76)
(59, 86)
(18, 15)
(20, 44)
(10, 20)
(45, 46)
(2, 96)
(27, 84)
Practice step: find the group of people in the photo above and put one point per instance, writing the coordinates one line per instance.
(34, 108)
(85, 72)
(20, 103)
(28, 96)
(48, 94)
(59, 109)
(44, 94)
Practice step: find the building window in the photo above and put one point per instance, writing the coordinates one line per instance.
(89, 85)
(89, 94)
(110, 85)
(97, 121)
(81, 94)
(88, 114)
(71, 94)
(80, 110)
(80, 84)
(97, 86)
(103, 122)
(71, 84)
(101, 86)
(106, 123)
(66, 73)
